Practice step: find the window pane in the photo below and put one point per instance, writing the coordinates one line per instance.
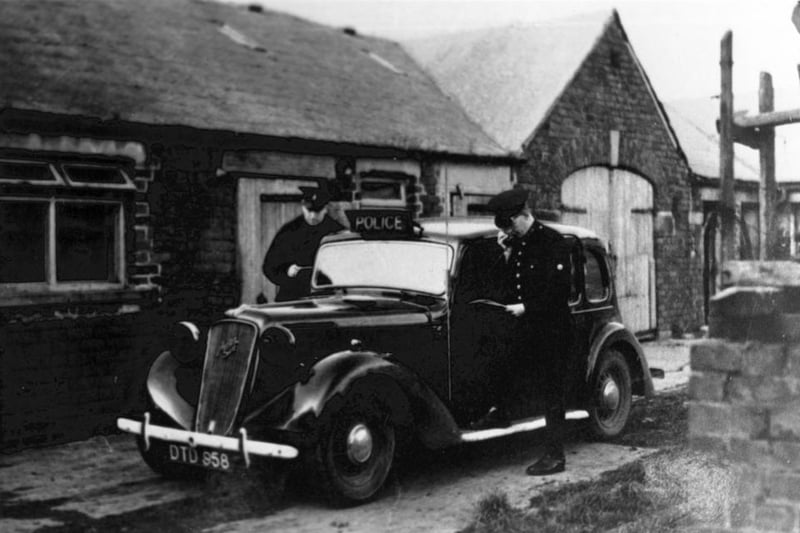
(85, 240)
(25, 171)
(595, 284)
(95, 175)
(381, 190)
(23, 230)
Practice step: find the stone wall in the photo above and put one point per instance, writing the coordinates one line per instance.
(745, 393)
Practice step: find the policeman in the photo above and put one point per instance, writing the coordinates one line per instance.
(538, 276)
(291, 255)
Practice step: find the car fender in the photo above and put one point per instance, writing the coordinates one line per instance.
(614, 333)
(332, 378)
(162, 385)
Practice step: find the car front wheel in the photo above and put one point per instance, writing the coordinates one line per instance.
(611, 395)
(354, 454)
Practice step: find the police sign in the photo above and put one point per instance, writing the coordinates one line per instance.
(380, 221)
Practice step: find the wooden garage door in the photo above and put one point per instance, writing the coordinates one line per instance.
(618, 206)
(265, 204)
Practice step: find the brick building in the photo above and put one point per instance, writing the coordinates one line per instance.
(148, 153)
(571, 98)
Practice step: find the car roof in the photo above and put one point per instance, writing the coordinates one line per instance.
(451, 229)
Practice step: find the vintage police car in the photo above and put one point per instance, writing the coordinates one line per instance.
(389, 348)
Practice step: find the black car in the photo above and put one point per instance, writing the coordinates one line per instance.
(392, 346)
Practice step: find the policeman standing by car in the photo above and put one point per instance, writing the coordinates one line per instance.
(290, 257)
(537, 270)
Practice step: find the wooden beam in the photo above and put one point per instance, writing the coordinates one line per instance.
(767, 190)
(772, 118)
(727, 204)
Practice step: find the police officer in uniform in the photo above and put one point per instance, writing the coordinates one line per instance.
(290, 258)
(537, 270)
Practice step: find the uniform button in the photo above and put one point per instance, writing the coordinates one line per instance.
(519, 297)
(517, 274)
(519, 287)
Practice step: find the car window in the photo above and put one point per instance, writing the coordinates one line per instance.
(403, 265)
(596, 276)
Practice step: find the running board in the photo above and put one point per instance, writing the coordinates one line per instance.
(529, 424)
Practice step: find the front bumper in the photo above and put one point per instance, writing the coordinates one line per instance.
(241, 444)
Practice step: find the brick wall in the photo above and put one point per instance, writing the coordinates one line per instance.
(192, 225)
(745, 393)
(609, 93)
(67, 374)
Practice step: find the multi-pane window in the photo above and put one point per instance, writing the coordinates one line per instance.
(61, 238)
(57, 242)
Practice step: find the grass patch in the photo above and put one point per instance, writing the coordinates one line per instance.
(671, 490)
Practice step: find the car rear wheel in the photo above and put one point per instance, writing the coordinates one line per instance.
(355, 453)
(611, 395)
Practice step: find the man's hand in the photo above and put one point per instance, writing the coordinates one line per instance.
(516, 309)
(292, 270)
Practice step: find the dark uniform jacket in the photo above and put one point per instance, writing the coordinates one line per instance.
(538, 273)
(297, 243)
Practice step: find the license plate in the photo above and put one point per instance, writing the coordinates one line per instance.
(213, 459)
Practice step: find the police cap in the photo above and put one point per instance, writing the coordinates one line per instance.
(315, 198)
(507, 204)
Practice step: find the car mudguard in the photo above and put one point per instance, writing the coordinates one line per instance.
(162, 385)
(615, 333)
(299, 408)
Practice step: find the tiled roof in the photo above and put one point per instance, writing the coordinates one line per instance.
(694, 123)
(221, 67)
(508, 78)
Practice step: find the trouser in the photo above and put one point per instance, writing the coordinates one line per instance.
(548, 355)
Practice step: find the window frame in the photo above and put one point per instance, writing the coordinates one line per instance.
(605, 275)
(381, 202)
(58, 181)
(51, 284)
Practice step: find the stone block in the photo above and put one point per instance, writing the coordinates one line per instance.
(783, 486)
(765, 328)
(792, 368)
(788, 325)
(787, 455)
(746, 302)
(763, 359)
(757, 453)
(718, 446)
(785, 421)
(761, 273)
(749, 422)
(710, 419)
(774, 517)
(762, 391)
(707, 386)
(716, 355)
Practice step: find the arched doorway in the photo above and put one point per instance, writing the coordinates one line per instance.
(618, 206)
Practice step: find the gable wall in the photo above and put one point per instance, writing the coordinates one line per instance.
(609, 93)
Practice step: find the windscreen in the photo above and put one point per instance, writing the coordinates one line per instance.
(406, 265)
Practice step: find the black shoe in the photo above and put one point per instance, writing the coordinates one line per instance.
(550, 463)
(494, 419)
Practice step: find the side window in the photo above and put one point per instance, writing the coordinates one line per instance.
(62, 225)
(596, 276)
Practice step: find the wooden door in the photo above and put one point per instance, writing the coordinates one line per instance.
(265, 205)
(618, 206)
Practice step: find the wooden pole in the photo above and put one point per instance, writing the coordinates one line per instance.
(767, 190)
(727, 201)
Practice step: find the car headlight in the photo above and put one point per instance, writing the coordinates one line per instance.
(184, 343)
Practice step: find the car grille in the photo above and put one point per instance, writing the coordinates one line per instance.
(228, 356)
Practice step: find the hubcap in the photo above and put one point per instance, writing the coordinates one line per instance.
(359, 444)
(610, 395)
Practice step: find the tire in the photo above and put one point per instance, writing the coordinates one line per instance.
(354, 453)
(611, 395)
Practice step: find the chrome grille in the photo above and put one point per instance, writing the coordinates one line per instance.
(228, 355)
